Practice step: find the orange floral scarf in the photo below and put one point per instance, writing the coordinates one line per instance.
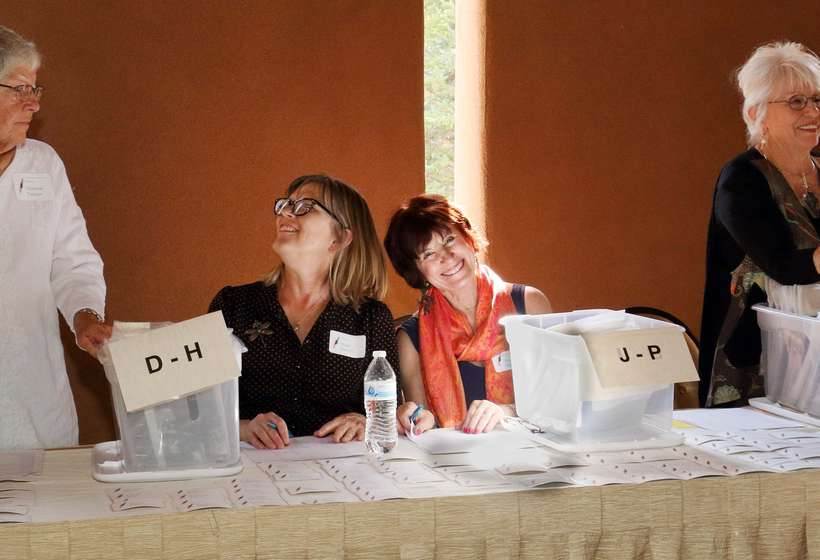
(446, 338)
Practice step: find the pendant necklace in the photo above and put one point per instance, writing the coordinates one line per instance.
(809, 199)
(297, 325)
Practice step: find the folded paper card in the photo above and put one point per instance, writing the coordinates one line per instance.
(164, 364)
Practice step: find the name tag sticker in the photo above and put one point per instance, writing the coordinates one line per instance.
(33, 187)
(502, 362)
(350, 345)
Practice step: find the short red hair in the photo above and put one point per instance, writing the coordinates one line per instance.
(413, 225)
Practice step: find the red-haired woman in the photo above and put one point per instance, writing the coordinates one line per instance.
(454, 358)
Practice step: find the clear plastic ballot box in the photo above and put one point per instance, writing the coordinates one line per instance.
(196, 435)
(790, 364)
(598, 379)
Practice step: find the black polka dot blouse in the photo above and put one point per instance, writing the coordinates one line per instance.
(304, 383)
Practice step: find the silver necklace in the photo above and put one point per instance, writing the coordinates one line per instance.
(809, 199)
(297, 325)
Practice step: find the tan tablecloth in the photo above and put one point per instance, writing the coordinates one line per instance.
(763, 516)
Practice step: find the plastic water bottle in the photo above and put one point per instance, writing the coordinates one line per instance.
(380, 434)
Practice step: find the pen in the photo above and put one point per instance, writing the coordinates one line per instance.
(272, 425)
(415, 415)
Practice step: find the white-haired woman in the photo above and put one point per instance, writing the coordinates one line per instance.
(312, 324)
(765, 218)
(47, 263)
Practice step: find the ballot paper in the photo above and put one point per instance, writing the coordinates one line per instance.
(309, 448)
(20, 464)
(733, 419)
(450, 440)
(133, 498)
(253, 493)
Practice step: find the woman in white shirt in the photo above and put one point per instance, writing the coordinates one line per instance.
(47, 262)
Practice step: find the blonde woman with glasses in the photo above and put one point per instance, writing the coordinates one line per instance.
(765, 219)
(312, 324)
(47, 263)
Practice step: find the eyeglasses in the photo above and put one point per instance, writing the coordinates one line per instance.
(26, 92)
(301, 207)
(799, 102)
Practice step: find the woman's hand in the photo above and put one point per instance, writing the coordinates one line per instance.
(90, 333)
(265, 431)
(482, 416)
(424, 421)
(343, 428)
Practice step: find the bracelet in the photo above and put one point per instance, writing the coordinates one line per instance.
(90, 312)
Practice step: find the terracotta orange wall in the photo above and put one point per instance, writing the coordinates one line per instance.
(606, 129)
(181, 122)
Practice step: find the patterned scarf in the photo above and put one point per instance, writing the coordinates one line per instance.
(447, 338)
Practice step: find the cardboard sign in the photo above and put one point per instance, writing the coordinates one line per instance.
(654, 356)
(174, 361)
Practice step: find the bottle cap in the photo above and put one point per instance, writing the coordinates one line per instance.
(379, 354)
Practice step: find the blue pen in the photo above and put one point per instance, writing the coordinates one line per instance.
(415, 415)
(272, 425)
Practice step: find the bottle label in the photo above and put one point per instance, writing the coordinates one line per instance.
(380, 390)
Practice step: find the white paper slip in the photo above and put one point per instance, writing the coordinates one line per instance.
(382, 493)
(307, 448)
(760, 440)
(460, 469)
(687, 469)
(246, 493)
(204, 498)
(550, 478)
(733, 419)
(412, 473)
(323, 498)
(19, 497)
(522, 468)
(14, 518)
(644, 472)
(449, 440)
(13, 486)
(795, 433)
(125, 499)
(480, 479)
(308, 486)
(293, 470)
(595, 476)
(631, 456)
(802, 452)
(434, 490)
(763, 457)
(4, 477)
(454, 460)
(20, 464)
(11, 508)
(697, 436)
(798, 465)
(728, 446)
(338, 468)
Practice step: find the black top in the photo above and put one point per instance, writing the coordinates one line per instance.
(472, 375)
(745, 220)
(304, 383)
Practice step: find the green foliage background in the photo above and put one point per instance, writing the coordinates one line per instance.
(439, 95)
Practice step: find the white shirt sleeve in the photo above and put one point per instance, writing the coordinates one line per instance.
(76, 268)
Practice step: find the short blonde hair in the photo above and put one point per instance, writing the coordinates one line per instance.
(773, 69)
(16, 51)
(358, 271)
